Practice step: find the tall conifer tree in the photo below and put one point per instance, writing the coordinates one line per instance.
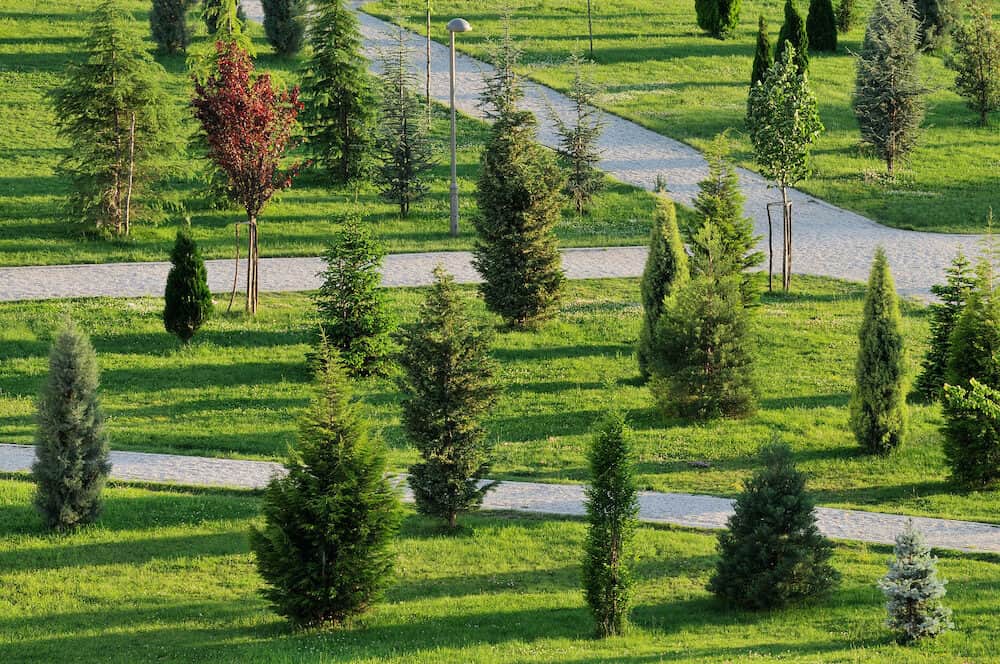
(284, 25)
(762, 59)
(793, 32)
(821, 26)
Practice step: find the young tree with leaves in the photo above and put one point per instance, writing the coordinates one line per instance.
(248, 127)
(115, 116)
(71, 445)
(821, 26)
(578, 138)
(762, 59)
(913, 590)
(325, 547)
(187, 299)
(168, 24)
(772, 553)
(448, 389)
(845, 16)
(284, 25)
(972, 434)
(784, 122)
(888, 94)
(793, 36)
(935, 22)
(977, 61)
(612, 516)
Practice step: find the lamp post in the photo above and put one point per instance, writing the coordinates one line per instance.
(454, 25)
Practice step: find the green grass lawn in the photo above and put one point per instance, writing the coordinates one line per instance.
(166, 576)
(38, 38)
(238, 389)
(657, 69)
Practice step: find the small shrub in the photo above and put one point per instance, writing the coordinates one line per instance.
(972, 434)
(187, 299)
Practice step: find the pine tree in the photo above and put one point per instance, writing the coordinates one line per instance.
(339, 95)
(120, 130)
(953, 295)
(578, 140)
(845, 16)
(350, 302)
(168, 24)
(449, 389)
(772, 553)
(612, 515)
(702, 366)
(972, 434)
(913, 590)
(977, 61)
(71, 446)
(762, 59)
(974, 350)
(284, 25)
(187, 299)
(666, 269)
(325, 547)
(878, 404)
(793, 33)
(935, 22)
(888, 95)
(821, 26)
(403, 146)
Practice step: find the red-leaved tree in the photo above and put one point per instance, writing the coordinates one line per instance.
(247, 126)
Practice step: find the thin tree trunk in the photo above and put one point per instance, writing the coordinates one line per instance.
(786, 263)
(236, 268)
(428, 60)
(131, 175)
(590, 28)
(252, 264)
(770, 250)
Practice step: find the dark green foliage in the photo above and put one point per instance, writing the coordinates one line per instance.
(821, 26)
(975, 342)
(706, 14)
(762, 59)
(168, 24)
(953, 295)
(339, 95)
(325, 547)
(793, 31)
(284, 25)
(612, 516)
(666, 268)
(187, 300)
(977, 61)
(702, 365)
(935, 18)
(719, 18)
(448, 389)
(972, 433)
(578, 139)
(845, 15)
(878, 403)
(352, 314)
(773, 554)
(71, 446)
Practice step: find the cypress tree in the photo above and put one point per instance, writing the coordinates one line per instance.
(168, 24)
(772, 553)
(935, 19)
(913, 590)
(977, 61)
(666, 269)
(187, 299)
(719, 18)
(974, 350)
(821, 26)
(878, 404)
(71, 446)
(448, 389)
(706, 14)
(972, 434)
(953, 295)
(845, 16)
(325, 547)
(793, 32)
(762, 60)
(284, 25)
(578, 139)
(612, 515)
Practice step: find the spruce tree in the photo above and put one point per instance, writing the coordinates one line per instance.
(339, 94)
(448, 389)
(952, 296)
(71, 446)
(935, 22)
(974, 348)
(168, 24)
(821, 26)
(762, 59)
(578, 138)
(913, 590)
(187, 299)
(878, 403)
(793, 33)
(284, 25)
(324, 549)
(666, 269)
(888, 95)
(977, 61)
(352, 313)
(612, 515)
(772, 553)
(972, 434)
(845, 16)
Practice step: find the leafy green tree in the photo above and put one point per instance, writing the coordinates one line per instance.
(187, 299)
(772, 553)
(977, 61)
(168, 23)
(762, 59)
(71, 445)
(612, 515)
(975, 342)
(666, 269)
(113, 113)
(821, 26)
(935, 19)
(578, 139)
(324, 549)
(913, 590)
(284, 25)
(793, 37)
(972, 434)
(845, 15)
(878, 404)
(448, 388)
(888, 94)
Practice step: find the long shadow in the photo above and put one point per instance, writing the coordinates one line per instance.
(541, 353)
(809, 402)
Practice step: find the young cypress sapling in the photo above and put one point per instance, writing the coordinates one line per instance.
(187, 299)
(762, 59)
(821, 26)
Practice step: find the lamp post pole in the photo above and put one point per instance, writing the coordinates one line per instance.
(454, 25)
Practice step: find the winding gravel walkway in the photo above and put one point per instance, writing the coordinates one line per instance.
(562, 499)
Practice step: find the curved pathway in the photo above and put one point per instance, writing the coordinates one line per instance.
(562, 499)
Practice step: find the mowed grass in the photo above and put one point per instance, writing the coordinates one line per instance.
(238, 390)
(166, 576)
(39, 37)
(656, 68)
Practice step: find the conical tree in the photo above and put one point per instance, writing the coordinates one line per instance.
(71, 446)
(772, 553)
(976, 61)
(706, 14)
(762, 59)
(952, 296)
(845, 16)
(913, 590)
(578, 138)
(972, 434)
(974, 348)
(935, 18)
(284, 25)
(448, 389)
(821, 26)
(187, 299)
(878, 404)
(612, 515)
(325, 547)
(793, 31)
(168, 24)
(666, 268)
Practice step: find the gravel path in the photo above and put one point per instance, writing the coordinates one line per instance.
(563, 499)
